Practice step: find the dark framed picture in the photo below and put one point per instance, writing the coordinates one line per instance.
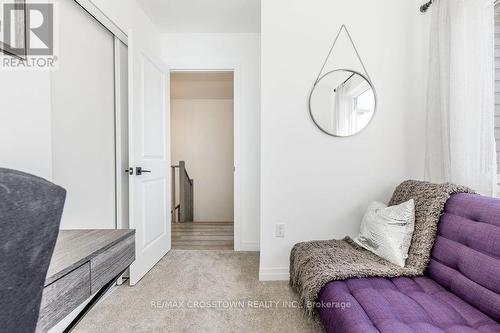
(13, 36)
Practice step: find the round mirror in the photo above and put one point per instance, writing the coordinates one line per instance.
(342, 102)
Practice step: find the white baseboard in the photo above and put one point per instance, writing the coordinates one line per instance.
(274, 274)
(250, 246)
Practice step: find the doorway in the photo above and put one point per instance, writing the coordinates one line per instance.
(203, 159)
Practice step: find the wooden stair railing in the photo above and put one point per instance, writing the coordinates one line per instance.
(185, 207)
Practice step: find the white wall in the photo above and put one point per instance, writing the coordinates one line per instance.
(202, 136)
(197, 50)
(317, 185)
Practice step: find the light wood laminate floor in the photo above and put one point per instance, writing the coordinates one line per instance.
(203, 236)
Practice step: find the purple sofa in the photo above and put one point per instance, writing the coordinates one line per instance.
(459, 293)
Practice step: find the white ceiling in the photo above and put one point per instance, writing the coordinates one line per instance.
(204, 16)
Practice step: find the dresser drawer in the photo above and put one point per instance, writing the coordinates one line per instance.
(63, 296)
(111, 262)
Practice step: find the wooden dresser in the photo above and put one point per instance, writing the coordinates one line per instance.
(84, 262)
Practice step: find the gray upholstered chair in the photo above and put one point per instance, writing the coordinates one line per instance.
(30, 213)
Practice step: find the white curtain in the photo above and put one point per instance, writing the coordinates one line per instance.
(460, 106)
(344, 109)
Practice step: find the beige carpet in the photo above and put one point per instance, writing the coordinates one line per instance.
(176, 294)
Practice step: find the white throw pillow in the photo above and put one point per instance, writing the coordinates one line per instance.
(387, 231)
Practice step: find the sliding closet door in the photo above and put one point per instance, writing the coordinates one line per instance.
(83, 123)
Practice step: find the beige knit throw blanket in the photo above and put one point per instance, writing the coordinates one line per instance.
(313, 264)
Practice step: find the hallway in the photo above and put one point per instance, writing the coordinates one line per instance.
(202, 154)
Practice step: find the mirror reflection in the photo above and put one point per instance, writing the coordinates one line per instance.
(342, 103)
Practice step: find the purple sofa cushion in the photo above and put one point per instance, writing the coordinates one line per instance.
(398, 305)
(466, 256)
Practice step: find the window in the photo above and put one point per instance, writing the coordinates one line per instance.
(364, 102)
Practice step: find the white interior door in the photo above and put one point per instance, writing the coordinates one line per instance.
(150, 150)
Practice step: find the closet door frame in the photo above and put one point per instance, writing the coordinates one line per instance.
(121, 131)
(95, 12)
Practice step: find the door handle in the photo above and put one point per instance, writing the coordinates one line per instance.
(139, 171)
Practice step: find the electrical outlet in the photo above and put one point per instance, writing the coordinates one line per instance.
(280, 231)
